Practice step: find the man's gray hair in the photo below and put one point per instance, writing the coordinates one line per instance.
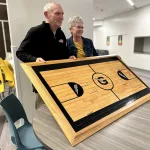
(49, 6)
(74, 20)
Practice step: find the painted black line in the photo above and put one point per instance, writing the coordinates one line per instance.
(59, 84)
(133, 78)
(133, 73)
(92, 69)
(69, 100)
(115, 94)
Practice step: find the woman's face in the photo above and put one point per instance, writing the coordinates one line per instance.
(77, 29)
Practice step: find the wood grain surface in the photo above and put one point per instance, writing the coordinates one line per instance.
(74, 93)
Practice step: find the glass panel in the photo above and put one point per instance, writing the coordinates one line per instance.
(2, 49)
(3, 12)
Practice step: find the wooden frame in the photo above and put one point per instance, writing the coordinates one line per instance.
(85, 95)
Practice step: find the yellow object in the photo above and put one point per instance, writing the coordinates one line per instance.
(7, 63)
(8, 73)
(1, 82)
(80, 53)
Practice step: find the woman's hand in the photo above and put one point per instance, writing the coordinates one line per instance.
(40, 60)
(72, 57)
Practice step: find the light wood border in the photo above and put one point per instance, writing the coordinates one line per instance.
(76, 137)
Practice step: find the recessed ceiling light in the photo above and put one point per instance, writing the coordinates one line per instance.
(130, 2)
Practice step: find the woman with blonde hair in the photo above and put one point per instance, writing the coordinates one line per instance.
(78, 45)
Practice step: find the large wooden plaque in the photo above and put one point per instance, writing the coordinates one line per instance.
(86, 95)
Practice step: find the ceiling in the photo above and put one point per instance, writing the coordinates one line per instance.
(107, 8)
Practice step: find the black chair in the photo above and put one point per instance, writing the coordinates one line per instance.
(102, 52)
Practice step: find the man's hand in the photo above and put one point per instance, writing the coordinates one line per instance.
(40, 60)
(72, 57)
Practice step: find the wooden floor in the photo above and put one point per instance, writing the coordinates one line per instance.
(136, 124)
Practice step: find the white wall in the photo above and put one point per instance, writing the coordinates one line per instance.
(24, 14)
(130, 24)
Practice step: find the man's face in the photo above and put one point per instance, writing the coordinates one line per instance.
(55, 17)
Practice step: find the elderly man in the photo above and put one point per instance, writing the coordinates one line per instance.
(46, 41)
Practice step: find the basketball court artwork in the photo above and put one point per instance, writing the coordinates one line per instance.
(85, 95)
